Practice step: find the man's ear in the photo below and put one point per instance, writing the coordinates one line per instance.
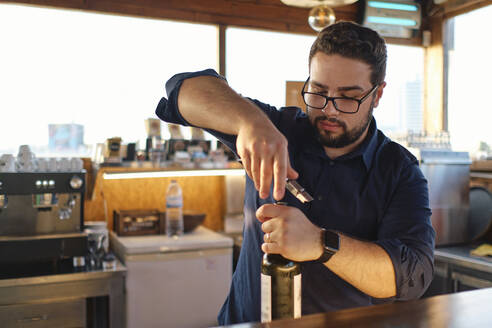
(379, 94)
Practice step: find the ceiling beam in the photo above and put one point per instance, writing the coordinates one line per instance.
(457, 7)
(262, 14)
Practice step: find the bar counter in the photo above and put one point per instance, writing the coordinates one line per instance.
(465, 309)
(61, 299)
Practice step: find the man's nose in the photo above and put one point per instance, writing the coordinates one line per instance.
(330, 109)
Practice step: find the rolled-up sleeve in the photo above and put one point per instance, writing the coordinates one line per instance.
(167, 109)
(406, 234)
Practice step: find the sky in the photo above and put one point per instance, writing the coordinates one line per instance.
(108, 72)
(469, 105)
(105, 72)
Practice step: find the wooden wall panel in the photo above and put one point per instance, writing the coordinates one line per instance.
(434, 79)
(200, 194)
(221, 51)
(293, 96)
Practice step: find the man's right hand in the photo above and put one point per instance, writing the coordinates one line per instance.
(263, 151)
(209, 102)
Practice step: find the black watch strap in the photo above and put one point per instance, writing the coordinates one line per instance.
(330, 240)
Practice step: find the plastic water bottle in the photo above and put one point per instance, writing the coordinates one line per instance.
(174, 210)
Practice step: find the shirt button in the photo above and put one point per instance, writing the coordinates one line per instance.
(332, 163)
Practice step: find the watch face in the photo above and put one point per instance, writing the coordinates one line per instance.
(332, 240)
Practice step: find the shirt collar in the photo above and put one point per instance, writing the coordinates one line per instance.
(368, 147)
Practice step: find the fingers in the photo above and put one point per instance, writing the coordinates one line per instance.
(265, 177)
(258, 168)
(270, 248)
(246, 161)
(269, 226)
(267, 238)
(291, 173)
(255, 166)
(281, 170)
(273, 227)
(265, 157)
(279, 174)
(268, 211)
(270, 244)
(263, 170)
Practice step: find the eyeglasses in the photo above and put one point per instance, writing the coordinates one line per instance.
(342, 104)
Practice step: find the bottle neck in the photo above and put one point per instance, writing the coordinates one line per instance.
(277, 259)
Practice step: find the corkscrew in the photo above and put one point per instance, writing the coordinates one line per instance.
(295, 189)
(298, 191)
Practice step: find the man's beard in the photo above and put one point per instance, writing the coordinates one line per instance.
(327, 139)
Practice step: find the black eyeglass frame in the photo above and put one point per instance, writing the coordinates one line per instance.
(333, 99)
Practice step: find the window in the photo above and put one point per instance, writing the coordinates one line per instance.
(259, 63)
(468, 81)
(103, 72)
(401, 107)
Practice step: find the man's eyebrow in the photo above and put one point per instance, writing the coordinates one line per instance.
(319, 85)
(345, 88)
(350, 87)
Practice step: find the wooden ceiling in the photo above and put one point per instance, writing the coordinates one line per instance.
(264, 14)
(270, 15)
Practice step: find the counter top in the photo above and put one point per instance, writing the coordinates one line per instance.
(465, 309)
(460, 255)
(64, 277)
(150, 167)
(481, 175)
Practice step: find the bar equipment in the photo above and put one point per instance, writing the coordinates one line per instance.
(112, 151)
(448, 175)
(155, 150)
(175, 282)
(41, 222)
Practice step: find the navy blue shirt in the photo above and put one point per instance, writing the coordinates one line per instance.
(375, 193)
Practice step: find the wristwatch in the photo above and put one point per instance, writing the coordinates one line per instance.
(330, 240)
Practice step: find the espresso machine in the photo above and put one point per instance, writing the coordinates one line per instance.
(41, 223)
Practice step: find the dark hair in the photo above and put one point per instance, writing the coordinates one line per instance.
(353, 41)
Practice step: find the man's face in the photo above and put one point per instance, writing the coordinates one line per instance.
(337, 76)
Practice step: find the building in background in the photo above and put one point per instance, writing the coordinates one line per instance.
(65, 137)
(413, 106)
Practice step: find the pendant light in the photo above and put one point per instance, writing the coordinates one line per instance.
(321, 14)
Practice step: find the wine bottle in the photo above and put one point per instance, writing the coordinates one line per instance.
(280, 288)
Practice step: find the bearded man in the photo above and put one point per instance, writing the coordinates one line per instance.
(366, 238)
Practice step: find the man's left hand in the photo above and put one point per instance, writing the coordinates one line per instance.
(289, 232)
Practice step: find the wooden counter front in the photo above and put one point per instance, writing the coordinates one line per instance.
(465, 309)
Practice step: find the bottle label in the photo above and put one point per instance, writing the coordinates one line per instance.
(297, 296)
(266, 298)
(174, 201)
